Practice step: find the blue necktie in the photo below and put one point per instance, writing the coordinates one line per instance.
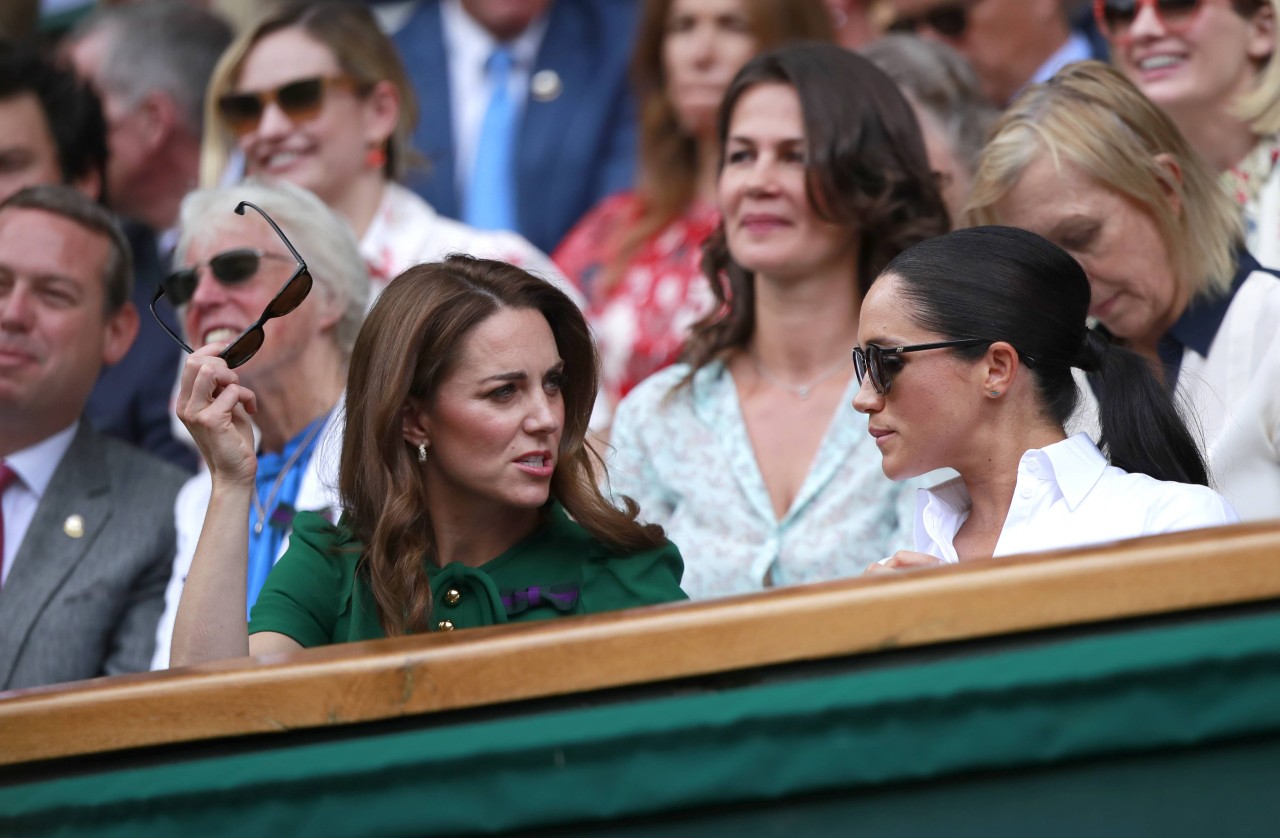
(491, 191)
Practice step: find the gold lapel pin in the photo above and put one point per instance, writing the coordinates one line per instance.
(545, 85)
(73, 526)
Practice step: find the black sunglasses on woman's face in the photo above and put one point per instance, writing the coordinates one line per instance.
(232, 267)
(870, 361)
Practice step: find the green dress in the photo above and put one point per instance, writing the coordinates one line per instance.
(315, 596)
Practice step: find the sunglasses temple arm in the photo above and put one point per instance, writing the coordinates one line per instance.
(240, 211)
(163, 325)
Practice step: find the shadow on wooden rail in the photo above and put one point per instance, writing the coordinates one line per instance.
(387, 679)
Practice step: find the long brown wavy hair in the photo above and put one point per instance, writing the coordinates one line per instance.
(867, 170)
(668, 155)
(410, 342)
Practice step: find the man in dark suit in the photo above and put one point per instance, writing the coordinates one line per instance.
(86, 522)
(575, 129)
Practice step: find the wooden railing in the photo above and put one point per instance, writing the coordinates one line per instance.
(387, 679)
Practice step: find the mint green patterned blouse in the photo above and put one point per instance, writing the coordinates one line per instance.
(688, 462)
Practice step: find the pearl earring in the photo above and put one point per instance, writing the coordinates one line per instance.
(422, 452)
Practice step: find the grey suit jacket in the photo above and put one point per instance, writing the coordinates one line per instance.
(79, 607)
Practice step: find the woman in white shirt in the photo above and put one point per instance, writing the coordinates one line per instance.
(966, 349)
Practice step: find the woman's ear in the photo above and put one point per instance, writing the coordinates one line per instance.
(415, 424)
(1261, 43)
(1002, 365)
(382, 110)
(1171, 181)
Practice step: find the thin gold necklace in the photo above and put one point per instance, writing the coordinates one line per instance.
(800, 391)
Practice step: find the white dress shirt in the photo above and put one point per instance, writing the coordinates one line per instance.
(35, 467)
(468, 46)
(1068, 496)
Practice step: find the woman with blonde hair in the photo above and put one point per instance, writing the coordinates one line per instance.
(1209, 64)
(468, 492)
(314, 93)
(1088, 162)
(636, 256)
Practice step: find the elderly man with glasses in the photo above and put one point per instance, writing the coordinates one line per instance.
(275, 279)
(1010, 43)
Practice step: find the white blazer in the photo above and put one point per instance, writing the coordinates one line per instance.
(318, 491)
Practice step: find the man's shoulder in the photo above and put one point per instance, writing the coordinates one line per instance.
(143, 472)
(611, 22)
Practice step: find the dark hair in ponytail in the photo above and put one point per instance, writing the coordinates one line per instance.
(1007, 284)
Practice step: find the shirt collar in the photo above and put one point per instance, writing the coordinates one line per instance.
(36, 464)
(1075, 464)
(1199, 324)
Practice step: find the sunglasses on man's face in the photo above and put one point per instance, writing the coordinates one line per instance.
(232, 267)
(947, 19)
(871, 360)
(300, 100)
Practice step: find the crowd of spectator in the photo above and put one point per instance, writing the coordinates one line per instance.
(325, 320)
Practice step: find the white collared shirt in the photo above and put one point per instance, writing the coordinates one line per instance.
(468, 46)
(34, 466)
(1068, 496)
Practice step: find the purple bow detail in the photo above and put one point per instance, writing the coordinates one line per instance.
(563, 597)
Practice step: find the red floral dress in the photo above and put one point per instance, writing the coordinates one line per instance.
(642, 321)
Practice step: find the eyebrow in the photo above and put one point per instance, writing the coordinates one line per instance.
(506, 376)
(738, 138)
(884, 341)
(520, 375)
(43, 278)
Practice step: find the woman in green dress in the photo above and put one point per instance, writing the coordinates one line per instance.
(469, 493)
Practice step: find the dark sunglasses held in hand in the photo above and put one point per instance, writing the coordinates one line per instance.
(300, 100)
(230, 268)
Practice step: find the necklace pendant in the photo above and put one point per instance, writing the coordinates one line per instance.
(257, 528)
(803, 393)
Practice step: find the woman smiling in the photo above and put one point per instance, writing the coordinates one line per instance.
(314, 94)
(1210, 64)
(748, 452)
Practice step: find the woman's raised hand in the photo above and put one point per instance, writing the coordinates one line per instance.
(216, 408)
